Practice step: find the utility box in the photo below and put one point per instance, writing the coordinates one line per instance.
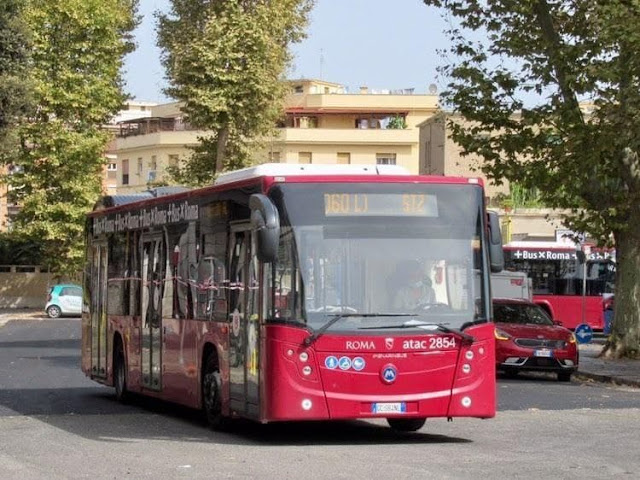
(511, 285)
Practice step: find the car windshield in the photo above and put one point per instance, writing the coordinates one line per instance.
(520, 314)
(378, 250)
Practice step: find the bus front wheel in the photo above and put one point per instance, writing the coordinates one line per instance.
(212, 395)
(406, 424)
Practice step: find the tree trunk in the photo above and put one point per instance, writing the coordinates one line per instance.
(625, 335)
(221, 148)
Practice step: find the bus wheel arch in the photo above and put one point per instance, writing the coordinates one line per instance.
(211, 388)
(119, 369)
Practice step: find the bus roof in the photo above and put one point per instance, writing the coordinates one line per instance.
(284, 169)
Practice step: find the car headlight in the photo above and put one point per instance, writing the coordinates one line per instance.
(500, 335)
(572, 338)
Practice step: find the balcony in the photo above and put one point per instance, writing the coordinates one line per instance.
(362, 103)
(346, 136)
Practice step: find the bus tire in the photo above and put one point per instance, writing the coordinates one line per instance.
(212, 395)
(564, 376)
(120, 372)
(406, 424)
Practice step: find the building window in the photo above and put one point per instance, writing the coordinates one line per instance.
(153, 165)
(173, 161)
(344, 158)
(298, 89)
(369, 122)
(112, 167)
(304, 157)
(386, 158)
(139, 171)
(125, 172)
(305, 122)
(274, 157)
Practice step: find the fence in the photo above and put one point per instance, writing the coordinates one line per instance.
(25, 286)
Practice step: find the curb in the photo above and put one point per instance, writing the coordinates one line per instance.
(598, 377)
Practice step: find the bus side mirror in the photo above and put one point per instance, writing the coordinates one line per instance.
(496, 254)
(266, 223)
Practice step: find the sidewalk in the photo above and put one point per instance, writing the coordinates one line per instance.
(7, 314)
(619, 372)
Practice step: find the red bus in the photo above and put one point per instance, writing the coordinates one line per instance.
(270, 296)
(571, 291)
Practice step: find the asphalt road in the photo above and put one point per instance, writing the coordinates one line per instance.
(56, 424)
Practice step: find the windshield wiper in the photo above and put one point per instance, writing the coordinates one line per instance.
(476, 320)
(463, 337)
(317, 333)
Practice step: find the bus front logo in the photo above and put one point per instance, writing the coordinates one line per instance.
(388, 374)
(388, 343)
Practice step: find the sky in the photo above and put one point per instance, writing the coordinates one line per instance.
(381, 44)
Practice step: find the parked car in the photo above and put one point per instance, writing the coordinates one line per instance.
(64, 299)
(528, 339)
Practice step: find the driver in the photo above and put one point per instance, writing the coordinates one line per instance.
(414, 287)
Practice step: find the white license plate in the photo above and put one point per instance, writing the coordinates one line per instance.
(543, 353)
(399, 407)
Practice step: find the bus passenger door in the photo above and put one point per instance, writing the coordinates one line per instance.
(244, 336)
(154, 261)
(99, 310)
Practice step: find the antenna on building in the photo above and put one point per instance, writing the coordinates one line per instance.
(321, 63)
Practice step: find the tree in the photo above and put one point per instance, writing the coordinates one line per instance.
(225, 61)
(553, 96)
(77, 56)
(14, 61)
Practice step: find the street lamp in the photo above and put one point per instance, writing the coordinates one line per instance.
(581, 254)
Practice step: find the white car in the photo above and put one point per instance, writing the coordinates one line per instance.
(64, 299)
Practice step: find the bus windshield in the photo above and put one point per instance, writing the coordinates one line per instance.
(415, 250)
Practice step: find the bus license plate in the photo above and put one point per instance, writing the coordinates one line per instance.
(399, 407)
(543, 353)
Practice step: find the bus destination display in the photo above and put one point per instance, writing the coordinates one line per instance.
(380, 204)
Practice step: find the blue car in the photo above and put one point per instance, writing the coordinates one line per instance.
(64, 299)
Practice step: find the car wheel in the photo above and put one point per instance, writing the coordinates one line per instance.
(564, 376)
(120, 374)
(212, 395)
(406, 424)
(54, 311)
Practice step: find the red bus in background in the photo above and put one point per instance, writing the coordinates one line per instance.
(272, 296)
(571, 291)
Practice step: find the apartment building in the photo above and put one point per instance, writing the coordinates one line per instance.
(322, 123)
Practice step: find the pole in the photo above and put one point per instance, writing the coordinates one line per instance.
(584, 291)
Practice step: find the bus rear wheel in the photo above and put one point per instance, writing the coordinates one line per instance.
(212, 395)
(120, 373)
(406, 424)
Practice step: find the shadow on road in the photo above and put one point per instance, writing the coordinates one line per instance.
(93, 413)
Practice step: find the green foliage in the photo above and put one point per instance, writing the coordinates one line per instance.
(77, 54)
(226, 62)
(527, 85)
(554, 54)
(519, 197)
(16, 250)
(15, 99)
(397, 122)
